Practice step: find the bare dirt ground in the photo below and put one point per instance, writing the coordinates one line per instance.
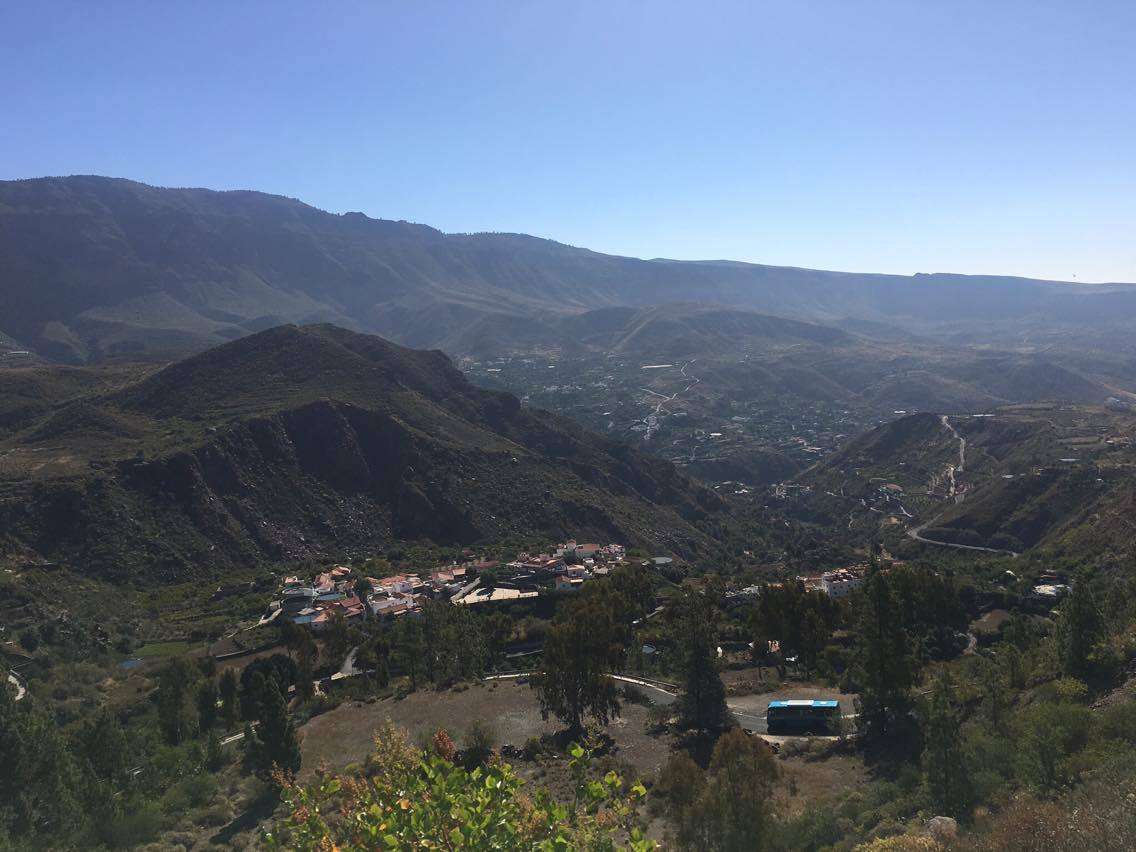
(808, 779)
(344, 735)
(811, 771)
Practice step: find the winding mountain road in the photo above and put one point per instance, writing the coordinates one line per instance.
(959, 495)
(917, 534)
(961, 466)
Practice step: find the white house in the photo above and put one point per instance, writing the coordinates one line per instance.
(843, 581)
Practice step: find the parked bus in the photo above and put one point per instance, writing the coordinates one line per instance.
(802, 716)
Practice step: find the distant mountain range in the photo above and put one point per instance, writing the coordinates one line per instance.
(92, 267)
(305, 442)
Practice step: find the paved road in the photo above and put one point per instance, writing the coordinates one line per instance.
(917, 534)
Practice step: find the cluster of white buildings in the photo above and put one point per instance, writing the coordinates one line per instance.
(569, 565)
(340, 591)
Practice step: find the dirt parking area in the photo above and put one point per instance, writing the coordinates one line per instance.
(756, 704)
(344, 735)
(811, 770)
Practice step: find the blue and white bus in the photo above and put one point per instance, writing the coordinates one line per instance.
(802, 716)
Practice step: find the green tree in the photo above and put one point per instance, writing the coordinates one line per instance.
(702, 703)
(291, 634)
(176, 717)
(800, 621)
(996, 682)
(737, 802)
(478, 743)
(306, 655)
(228, 688)
(207, 696)
(363, 589)
(496, 629)
(102, 742)
(583, 644)
(1080, 628)
(678, 788)
(214, 752)
(373, 657)
(455, 645)
(885, 667)
(337, 640)
(950, 787)
(274, 741)
(628, 591)
(409, 647)
(41, 783)
(1051, 732)
(729, 808)
(814, 637)
(279, 669)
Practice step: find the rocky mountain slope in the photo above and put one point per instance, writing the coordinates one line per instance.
(1054, 478)
(92, 267)
(298, 442)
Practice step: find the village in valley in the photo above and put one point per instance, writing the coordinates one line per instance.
(342, 591)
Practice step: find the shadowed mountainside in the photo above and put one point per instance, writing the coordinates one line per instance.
(298, 442)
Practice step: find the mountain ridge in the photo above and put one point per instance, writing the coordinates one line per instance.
(92, 268)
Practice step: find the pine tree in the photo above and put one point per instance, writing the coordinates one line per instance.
(40, 781)
(409, 645)
(103, 743)
(305, 680)
(228, 688)
(733, 804)
(1080, 629)
(214, 753)
(702, 704)
(207, 704)
(814, 636)
(175, 716)
(274, 739)
(885, 666)
(945, 771)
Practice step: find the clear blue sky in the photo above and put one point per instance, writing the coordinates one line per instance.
(914, 135)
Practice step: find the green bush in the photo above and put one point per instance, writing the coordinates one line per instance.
(478, 743)
(1118, 722)
(1051, 734)
(134, 826)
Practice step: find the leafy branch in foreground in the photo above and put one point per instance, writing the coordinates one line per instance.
(409, 800)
